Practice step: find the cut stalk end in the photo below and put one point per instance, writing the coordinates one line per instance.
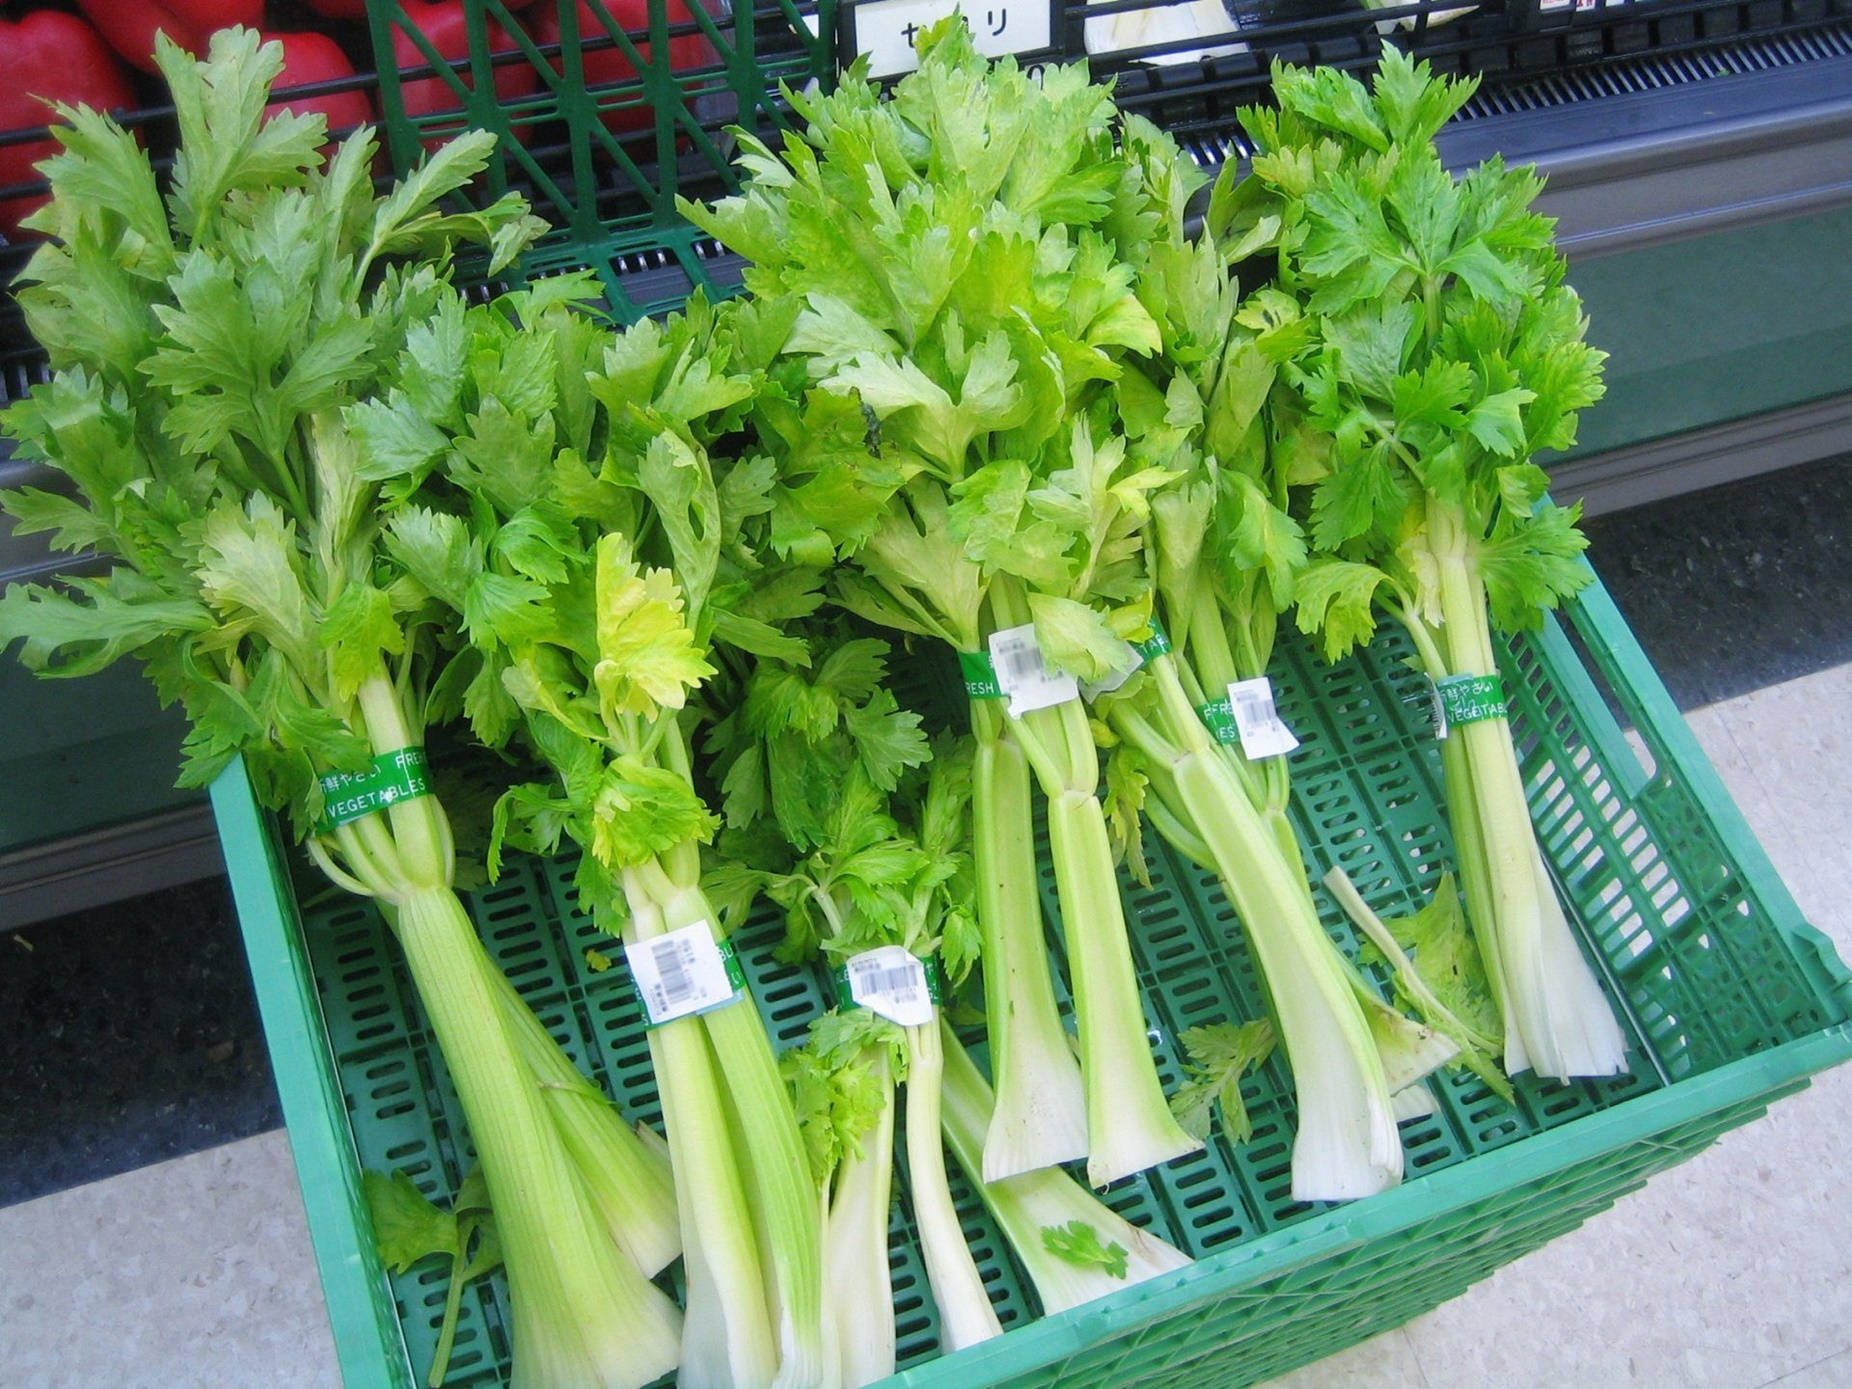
(1040, 1119)
(1566, 1024)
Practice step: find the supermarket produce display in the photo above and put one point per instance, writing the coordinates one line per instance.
(726, 653)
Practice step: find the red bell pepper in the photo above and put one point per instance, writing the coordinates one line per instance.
(609, 65)
(130, 25)
(309, 58)
(56, 57)
(444, 26)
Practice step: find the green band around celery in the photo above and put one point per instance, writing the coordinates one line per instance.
(395, 776)
(1462, 699)
(1153, 646)
(1218, 716)
(980, 675)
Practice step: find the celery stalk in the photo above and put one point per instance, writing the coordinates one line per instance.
(727, 1337)
(629, 1180)
(772, 1154)
(1129, 1123)
(1030, 1204)
(861, 1290)
(1557, 1020)
(965, 1314)
(583, 1314)
(1040, 1117)
(1347, 1145)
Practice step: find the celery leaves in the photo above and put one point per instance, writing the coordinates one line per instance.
(409, 1229)
(213, 350)
(1220, 1055)
(1079, 1243)
(1445, 350)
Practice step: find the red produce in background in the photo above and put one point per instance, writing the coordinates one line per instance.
(311, 58)
(357, 9)
(611, 64)
(60, 58)
(444, 25)
(130, 25)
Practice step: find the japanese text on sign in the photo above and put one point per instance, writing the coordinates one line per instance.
(1462, 699)
(886, 30)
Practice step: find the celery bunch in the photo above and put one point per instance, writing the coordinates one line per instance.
(1444, 351)
(220, 355)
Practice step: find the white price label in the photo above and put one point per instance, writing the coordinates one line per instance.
(886, 30)
(1263, 733)
(891, 980)
(680, 972)
(1023, 675)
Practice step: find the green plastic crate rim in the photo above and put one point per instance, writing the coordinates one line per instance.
(1731, 999)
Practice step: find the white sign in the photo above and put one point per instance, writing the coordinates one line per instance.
(886, 29)
(890, 980)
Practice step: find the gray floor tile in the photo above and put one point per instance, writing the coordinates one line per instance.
(1783, 752)
(131, 1037)
(1834, 1372)
(192, 1274)
(1737, 587)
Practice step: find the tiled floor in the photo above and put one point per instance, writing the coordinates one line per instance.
(191, 1274)
(1731, 1272)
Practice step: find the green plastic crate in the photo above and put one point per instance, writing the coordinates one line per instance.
(1730, 998)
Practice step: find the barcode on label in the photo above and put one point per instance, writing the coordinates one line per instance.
(1254, 706)
(1023, 675)
(891, 981)
(1019, 662)
(900, 984)
(1263, 732)
(679, 973)
(674, 985)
